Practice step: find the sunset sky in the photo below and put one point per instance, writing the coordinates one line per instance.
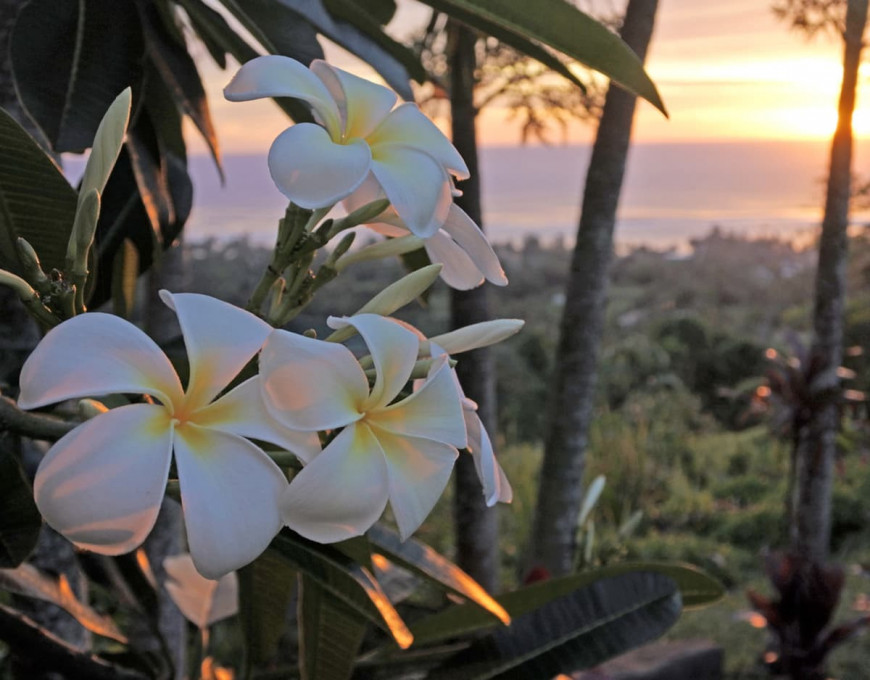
(726, 70)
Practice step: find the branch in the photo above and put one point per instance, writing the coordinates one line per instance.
(33, 425)
(39, 649)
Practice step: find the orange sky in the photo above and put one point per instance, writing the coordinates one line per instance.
(726, 70)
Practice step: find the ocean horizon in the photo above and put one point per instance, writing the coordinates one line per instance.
(673, 193)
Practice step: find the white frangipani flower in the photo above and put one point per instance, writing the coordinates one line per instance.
(402, 451)
(359, 134)
(101, 485)
(460, 246)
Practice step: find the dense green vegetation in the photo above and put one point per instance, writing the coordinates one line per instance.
(685, 429)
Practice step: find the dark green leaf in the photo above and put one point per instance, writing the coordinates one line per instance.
(330, 633)
(344, 579)
(465, 618)
(518, 42)
(19, 632)
(265, 592)
(278, 28)
(355, 41)
(36, 201)
(362, 17)
(70, 60)
(20, 521)
(167, 120)
(300, 37)
(562, 26)
(574, 632)
(178, 70)
(424, 561)
(29, 581)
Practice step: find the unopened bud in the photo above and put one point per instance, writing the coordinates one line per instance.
(367, 213)
(82, 236)
(477, 335)
(387, 248)
(16, 283)
(393, 297)
(32, 266)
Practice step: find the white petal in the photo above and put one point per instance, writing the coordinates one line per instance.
(92, 355)
(389, 224)
(312, 170)
(419, 470)
(220, 339)
(203, 601)
(361, 103)
(471, 239)
(477, 335)
(310, 384)
(394, 351)
(229, 494)
(409, 126)
(458, 270)
(433, 412)
(243, 412)
(342, 492)
(492, 478)
(416, 185)
(101, 485)
(278, 76)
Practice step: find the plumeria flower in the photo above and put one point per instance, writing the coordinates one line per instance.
(101, 485)
(459, 245)
(358, 134)
(401, 451)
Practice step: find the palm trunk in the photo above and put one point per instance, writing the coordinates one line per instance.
(816, 440)
(476, 525)
(572, 397)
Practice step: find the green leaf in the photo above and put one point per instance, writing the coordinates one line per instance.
(265, 591)
(563, 27)
(70, 60)
(36, 201)
(574, 632)
(29, 581)
(370, 22)
(696, 588)
(106, 145)
(278, 28)
(20, 521)
(287, 36)
(177, 69)
(354, 40)
(344, 579)
(420, 559)
(330, 633)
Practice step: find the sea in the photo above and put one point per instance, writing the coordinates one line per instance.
(673, 193)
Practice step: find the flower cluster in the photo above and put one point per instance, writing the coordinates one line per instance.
(363, 147)
(393, 421)
(102, 484)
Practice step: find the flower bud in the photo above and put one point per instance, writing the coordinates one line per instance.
(393, 297)
(477, 335)
(32, 266)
